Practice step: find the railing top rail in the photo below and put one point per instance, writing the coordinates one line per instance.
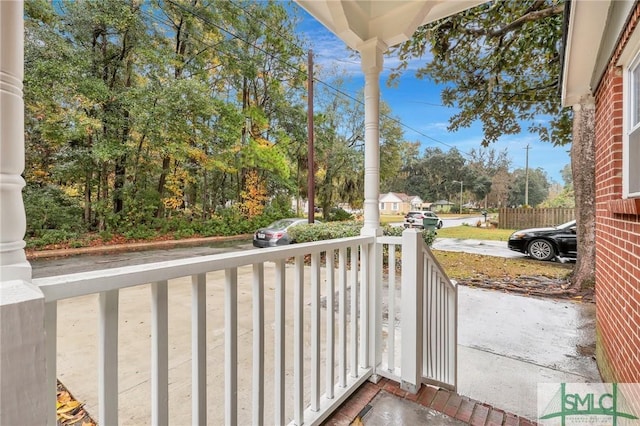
(389, 240)
(84, 283)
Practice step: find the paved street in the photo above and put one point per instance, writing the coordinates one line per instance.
(485, 247)
(73, 264)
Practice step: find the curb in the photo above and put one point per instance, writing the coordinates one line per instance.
(118, 248)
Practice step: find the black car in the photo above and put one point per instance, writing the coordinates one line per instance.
(546, 243)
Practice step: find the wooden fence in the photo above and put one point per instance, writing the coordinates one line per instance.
(522, 218)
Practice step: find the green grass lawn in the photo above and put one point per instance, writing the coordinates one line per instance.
(462, 266)
(391, 218)
(475, 233)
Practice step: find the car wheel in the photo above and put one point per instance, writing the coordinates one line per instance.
(439, 224)
(541, 250)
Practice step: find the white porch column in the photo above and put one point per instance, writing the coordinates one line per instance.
(12, 221)
(371, 56)
(23, 394)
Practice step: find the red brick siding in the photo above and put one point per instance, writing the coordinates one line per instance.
(617, 235)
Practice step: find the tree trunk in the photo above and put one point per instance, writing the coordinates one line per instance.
(121, 161)
(103, 197)
(166, 161)
(118, 184)
(87, 200)
(583, 169)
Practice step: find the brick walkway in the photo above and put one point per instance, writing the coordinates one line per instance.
(449, 403)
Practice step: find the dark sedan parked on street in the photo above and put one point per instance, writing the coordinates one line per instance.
(546, 243)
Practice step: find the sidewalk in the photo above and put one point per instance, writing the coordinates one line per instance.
(146, 245)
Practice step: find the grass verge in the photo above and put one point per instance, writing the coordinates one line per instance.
(475, 233)
(520, 276)
(464, 266)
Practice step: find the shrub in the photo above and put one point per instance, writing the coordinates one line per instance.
(51, 237)
(49, 208)
(339, 215)
(139, 233)
(327, 231)
(139, 209)
(324, 231)
(184, 233)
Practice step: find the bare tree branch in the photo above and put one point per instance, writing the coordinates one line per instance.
(528, 17)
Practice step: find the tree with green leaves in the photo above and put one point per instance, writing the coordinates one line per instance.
(538, 187)
(485, 164)
(565, 197)
(98, 43)
(149, 110)
(339, 148)
(432, 175)
(500, 63)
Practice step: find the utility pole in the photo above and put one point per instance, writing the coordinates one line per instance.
(311, 192)
(526, 177)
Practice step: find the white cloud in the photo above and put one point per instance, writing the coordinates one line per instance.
(439, 126)
(416, 104)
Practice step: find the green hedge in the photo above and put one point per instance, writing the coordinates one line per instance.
(332, 230)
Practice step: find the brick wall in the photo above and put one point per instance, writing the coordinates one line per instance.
(617, 237)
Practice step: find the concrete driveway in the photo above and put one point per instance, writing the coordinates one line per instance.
(485, 247)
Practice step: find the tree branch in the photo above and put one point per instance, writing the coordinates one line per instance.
(528, 17)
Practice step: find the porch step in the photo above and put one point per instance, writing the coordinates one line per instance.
(444, 407)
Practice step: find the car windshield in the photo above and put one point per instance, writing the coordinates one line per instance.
(281, 224)
(567, 225)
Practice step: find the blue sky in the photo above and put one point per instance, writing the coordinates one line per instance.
(417, 104)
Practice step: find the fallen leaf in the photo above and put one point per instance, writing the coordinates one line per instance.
(65, 416)
(64, 397)
(69, 406)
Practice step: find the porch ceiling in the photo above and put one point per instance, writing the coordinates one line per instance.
(584, 35)
(391, 22)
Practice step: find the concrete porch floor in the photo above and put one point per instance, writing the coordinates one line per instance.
(507, 345)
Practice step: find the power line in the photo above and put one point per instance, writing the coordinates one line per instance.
(252, 15)
(287, 64)
(207, 21)
(317, 80)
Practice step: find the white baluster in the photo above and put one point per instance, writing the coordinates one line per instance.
(231, 347)
(258, 344)
(159, 354)
(198, 349)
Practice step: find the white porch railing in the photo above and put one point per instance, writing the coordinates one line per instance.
(314, 342)
(427, 293)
